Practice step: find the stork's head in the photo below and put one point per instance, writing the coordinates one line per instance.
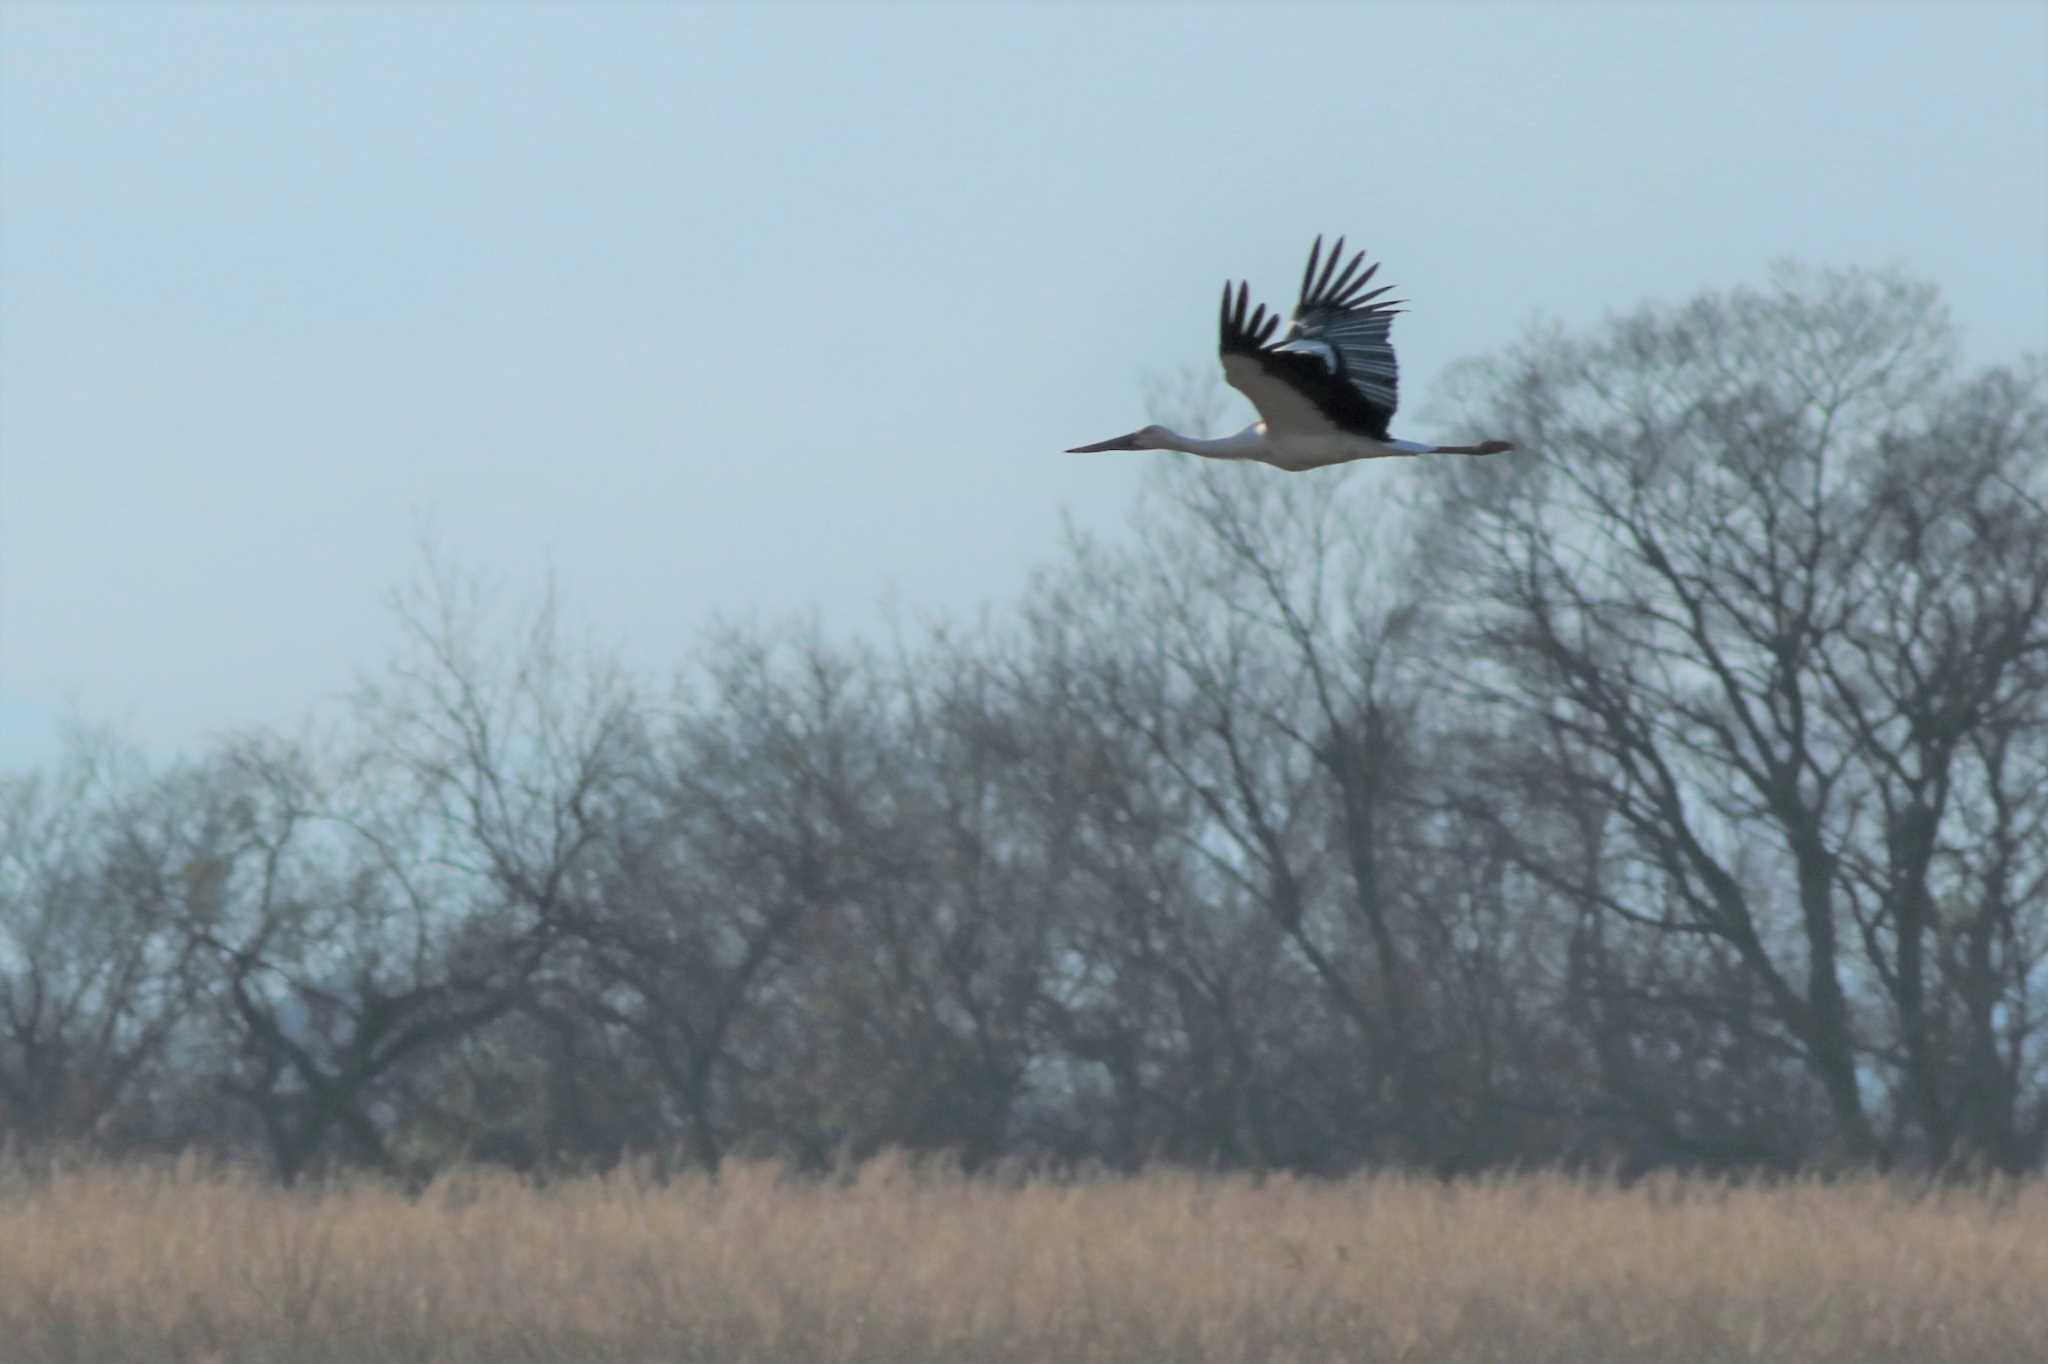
(1144, 438)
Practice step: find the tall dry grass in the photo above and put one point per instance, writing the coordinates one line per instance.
(102, 1264)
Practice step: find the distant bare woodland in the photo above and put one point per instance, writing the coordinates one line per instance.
(898, 1265)
(1671, 796)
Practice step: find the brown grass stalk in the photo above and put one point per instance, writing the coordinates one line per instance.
(903, 1264)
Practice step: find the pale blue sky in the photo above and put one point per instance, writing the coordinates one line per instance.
(753, 310)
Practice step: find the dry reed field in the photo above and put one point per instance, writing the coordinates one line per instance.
(901, 1265)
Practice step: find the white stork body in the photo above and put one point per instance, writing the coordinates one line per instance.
(1296, 451)
(1324, 394)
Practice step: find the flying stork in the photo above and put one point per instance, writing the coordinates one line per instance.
(1325, 392)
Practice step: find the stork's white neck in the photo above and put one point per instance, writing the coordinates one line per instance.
(1245, 444)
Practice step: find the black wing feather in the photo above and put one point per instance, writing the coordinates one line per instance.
(1355, 385)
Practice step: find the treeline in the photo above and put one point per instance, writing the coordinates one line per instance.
(1674, 791)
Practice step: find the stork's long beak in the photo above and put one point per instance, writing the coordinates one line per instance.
(1129, 442)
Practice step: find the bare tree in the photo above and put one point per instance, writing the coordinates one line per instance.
(99, 860)
(1766, 605)
(925, 995)
(738, 837)
(390, 898)
(1174, 1008)
(1262, 657)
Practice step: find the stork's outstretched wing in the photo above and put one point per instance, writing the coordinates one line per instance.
(1336, 365)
